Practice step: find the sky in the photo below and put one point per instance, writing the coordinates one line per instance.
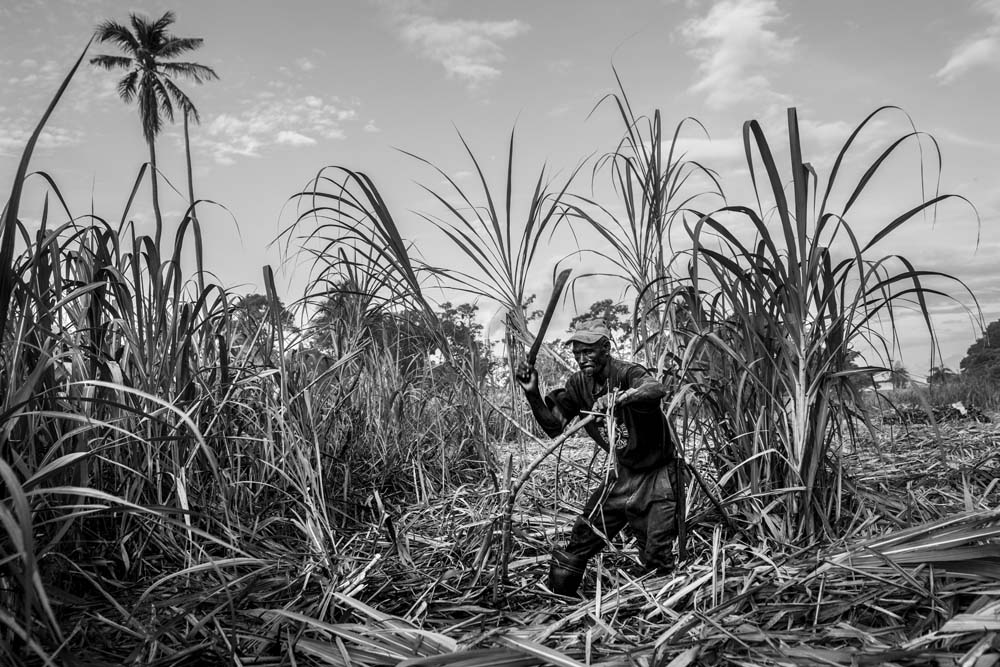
(314, 83)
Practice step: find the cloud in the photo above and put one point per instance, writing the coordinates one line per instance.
(735, 43)
(305, 64)
(96, 89)
(370, 126)
(820, 140)
(954, 137)
(290, 138)
(32, 83)
(273, 121)
(709, 152)
(981, 49)
(13, 140)
(38, 78)
(469, 51)
(833, 134)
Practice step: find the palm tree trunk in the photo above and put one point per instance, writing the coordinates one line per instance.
(198, 250)
(156, 193)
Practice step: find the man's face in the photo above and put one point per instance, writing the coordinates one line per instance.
(592, 358)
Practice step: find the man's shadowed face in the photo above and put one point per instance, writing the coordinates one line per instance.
(593, 358)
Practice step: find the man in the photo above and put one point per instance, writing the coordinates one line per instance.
(639, 491)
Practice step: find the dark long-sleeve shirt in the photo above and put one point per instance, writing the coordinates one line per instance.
(645, 439)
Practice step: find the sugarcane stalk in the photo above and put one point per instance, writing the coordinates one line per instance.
(506, 523)
(711, 496)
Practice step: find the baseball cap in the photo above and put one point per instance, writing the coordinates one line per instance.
(589, 332)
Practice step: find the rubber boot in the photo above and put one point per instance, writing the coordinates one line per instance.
(566, 573)
(661, 563)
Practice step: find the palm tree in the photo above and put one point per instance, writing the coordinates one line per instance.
(899, 376)
(149, 50)
(941, 375)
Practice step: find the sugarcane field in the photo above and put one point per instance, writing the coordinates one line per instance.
(424, 333)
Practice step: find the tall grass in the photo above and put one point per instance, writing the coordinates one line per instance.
(500, 244)
(356, 244)
(110, 369)
(363, 268)
(186, 475)
(145, 433)
(150, 427)
(756, 331)
(774, 319)
(655, 183)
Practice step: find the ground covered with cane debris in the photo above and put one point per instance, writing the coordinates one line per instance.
(915, 579)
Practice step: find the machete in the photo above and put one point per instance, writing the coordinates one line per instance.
(557, 288)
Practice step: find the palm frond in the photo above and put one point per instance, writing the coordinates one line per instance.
(127, 86)
(149, 108)
(181, 99)
(109, 62)
(142, 30)
(194, 71)
(118, 34)
(156, 94)
(174, 46)
(161, 24)
(164, 99)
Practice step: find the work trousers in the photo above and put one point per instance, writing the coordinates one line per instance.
(645, 501)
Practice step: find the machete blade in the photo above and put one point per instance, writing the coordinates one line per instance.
(557, 289)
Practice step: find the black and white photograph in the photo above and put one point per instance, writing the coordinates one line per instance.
(456, 333)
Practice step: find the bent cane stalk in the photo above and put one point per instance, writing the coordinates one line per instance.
(515, 488)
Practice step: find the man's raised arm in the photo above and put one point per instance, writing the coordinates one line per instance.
(549, 418)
